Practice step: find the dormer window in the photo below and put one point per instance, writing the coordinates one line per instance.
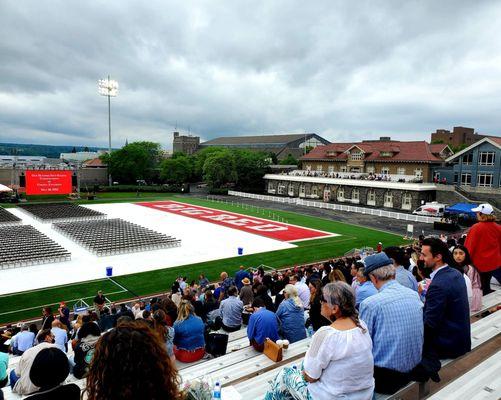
(331, 153)
(386, 154)
(356, 156)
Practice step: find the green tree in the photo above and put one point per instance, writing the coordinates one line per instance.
(219, 169)
(289, 160)
(199, 160)
(137, 160)
(176, 170)
(251, 166)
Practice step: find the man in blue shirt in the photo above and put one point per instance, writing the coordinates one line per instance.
(394, 317)
(23, 341)
(364, 289)
(262, 324)
(231, 311)
(239, 276)
(400, 261)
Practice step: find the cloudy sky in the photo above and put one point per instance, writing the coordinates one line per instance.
(344, 70)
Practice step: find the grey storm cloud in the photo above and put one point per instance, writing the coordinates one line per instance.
(345, 70)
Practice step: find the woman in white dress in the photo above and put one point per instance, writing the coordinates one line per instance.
(339, 362)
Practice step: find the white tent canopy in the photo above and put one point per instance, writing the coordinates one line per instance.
(4, 188)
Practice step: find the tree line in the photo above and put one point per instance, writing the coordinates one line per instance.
(218, 167)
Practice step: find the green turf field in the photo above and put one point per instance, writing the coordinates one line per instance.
(28, 304)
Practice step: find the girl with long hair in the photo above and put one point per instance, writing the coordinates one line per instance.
(463, 260)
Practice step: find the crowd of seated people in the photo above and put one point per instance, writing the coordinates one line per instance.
(391, 316)
(370, 176)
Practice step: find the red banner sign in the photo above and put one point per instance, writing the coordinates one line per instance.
(48, 182)
(259, 226)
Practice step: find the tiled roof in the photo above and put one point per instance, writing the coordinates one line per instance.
(437, 147)
(259, 139)
(95, 162)
(418, 151)
(496, 139)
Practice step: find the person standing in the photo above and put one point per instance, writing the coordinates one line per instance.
(240, 276)
(99, 301)
(64, 315)
(484, 244)
(47, 318)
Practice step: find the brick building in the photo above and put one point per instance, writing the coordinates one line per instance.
(381, 173)
(459, 136)
(384, 156)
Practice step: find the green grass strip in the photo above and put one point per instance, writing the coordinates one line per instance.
(145, 283)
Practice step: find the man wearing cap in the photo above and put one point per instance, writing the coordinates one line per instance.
(484, 245)
(246, 293)
(394, 317)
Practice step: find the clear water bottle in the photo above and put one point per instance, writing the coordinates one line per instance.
(216, 393)
(310, 331)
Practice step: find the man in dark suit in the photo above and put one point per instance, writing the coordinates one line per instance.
(446, 310)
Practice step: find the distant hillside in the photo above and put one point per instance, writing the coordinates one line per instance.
(39, 149)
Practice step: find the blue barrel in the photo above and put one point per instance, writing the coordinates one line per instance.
(109, 271)
(240, 251)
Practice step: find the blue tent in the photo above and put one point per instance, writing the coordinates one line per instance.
(462, 208)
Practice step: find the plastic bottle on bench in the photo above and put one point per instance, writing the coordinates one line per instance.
(216, 393)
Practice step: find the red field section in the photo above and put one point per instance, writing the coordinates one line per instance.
(271, 229)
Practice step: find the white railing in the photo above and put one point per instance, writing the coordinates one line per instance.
(337, 207)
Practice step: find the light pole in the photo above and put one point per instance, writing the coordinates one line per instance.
(108, 88)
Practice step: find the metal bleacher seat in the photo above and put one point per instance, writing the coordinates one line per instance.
(482, 382)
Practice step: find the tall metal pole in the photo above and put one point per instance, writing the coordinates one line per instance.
(110, 181)
(109, 89)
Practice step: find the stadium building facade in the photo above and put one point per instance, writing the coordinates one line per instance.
(379, 173)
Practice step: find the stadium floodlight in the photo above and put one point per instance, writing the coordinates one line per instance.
(108, 88)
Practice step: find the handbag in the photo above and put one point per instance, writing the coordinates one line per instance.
(272, 350)
(216, 344)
